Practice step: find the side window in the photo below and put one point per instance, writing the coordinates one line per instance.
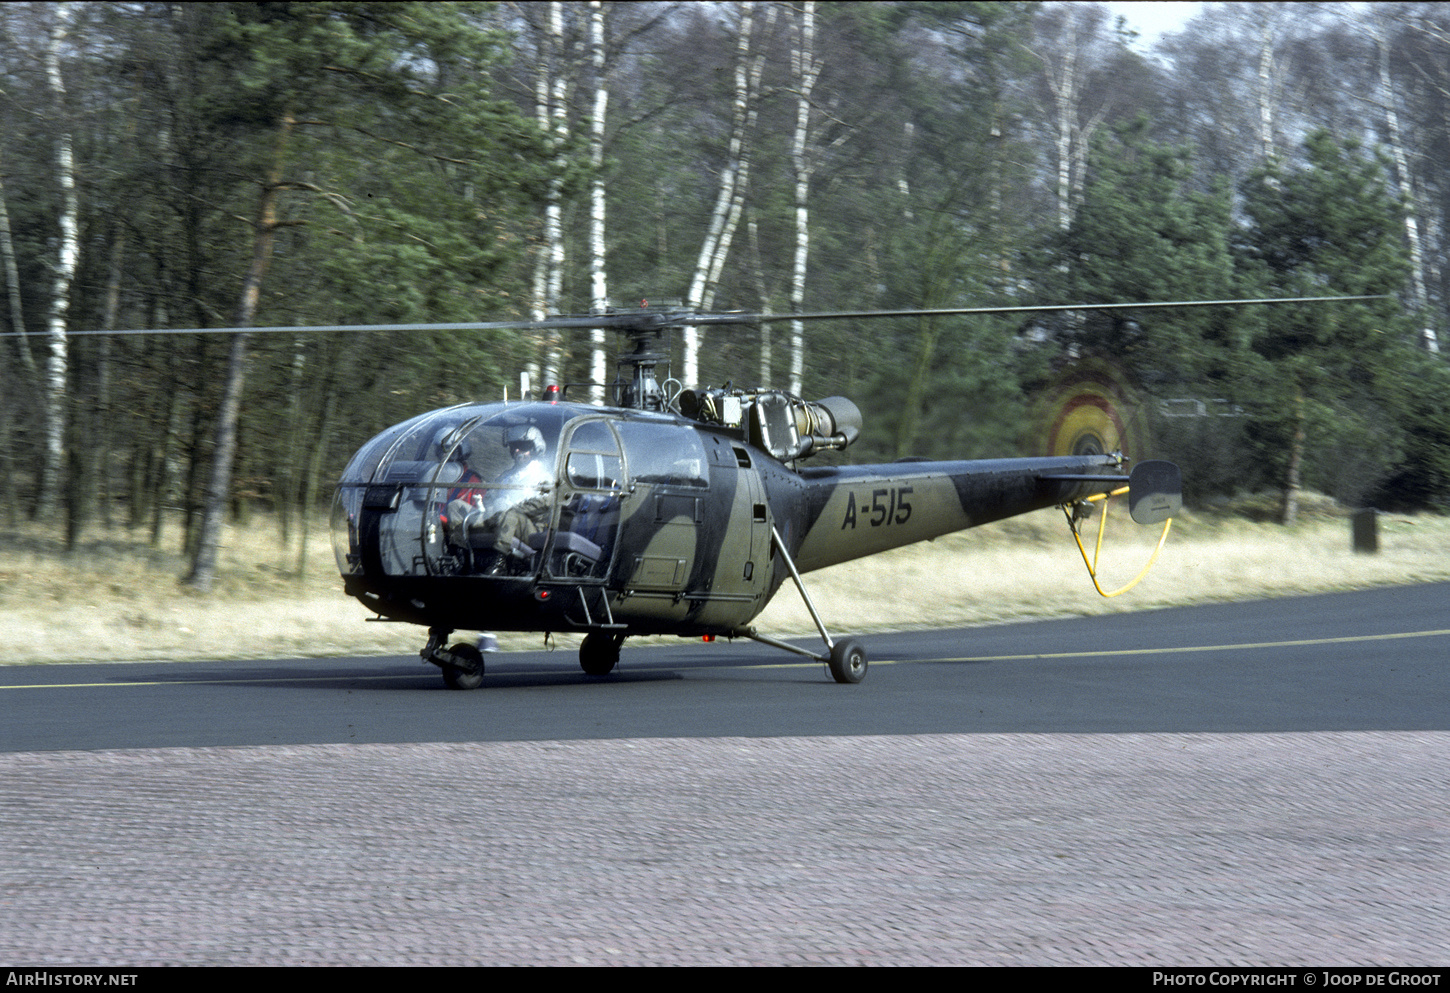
(594, 436)
(591, 471)
(593, 462)
(665, 453)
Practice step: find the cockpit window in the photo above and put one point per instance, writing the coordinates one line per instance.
(456, 491)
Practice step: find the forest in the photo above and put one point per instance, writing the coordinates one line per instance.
(241, 165)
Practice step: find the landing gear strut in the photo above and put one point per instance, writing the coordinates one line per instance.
(462, 664)
(845, 658)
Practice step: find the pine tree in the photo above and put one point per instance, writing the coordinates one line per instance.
(1144, 233)
(389, 77)
(1328, 226)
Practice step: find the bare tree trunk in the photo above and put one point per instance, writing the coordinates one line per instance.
(203, 567)
(7, 460)
(552, 117)
(12, 285)
(1066, 78)
(161, 481)
(806, 73)
(1428, 340)
(291, 470)
(1296, 461)
(57, 344)
(731, 198)
(763, 291)
(314, 468)
(1064, 86)
(17, 325)
(598, 278)
(105, 434)
(1268, 81)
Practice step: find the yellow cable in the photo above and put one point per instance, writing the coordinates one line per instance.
(1092, 567)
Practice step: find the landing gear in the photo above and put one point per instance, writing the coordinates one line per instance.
(466, 672)
(599, 652)
(462, 664)
(848, 661)
(846, 658)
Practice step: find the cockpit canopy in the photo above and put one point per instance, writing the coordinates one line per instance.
(509, 489)
(474, 435)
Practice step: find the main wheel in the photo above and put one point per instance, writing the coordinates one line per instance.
(469, 674)
(848, 661)
(599, 653)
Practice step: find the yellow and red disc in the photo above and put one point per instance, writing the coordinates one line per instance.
(1089, 409)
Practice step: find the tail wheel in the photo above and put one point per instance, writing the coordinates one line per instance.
(848, 661)
(467, 672)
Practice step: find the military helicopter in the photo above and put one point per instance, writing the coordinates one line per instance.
(678, 511)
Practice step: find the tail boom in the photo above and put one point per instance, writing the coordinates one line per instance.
(862, 510)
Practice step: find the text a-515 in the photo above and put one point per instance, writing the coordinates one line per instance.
(887, 505)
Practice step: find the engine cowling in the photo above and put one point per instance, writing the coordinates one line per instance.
(783, 424)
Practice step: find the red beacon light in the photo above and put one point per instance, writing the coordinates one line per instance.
(551, 394)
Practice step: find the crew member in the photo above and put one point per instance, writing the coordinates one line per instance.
(516, 513)
(465, 494)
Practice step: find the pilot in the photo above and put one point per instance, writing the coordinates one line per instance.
(516, 513)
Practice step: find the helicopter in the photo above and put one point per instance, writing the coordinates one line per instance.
(678, 511)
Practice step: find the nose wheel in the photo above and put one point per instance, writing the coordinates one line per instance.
(462, 665)
(466, 671)
(599, 653)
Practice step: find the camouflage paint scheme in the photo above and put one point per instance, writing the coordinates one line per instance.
(684, 542)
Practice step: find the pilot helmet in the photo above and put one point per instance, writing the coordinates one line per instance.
(449, 446)
(525, 438)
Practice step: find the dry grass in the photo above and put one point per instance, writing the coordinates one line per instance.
(119, 599)
(1030, 568)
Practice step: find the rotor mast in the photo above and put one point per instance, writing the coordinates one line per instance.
(647, 345)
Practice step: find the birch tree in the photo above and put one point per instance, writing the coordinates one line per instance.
(1388, 100)
(57, 346)
(598, 275)
(552, 114)
(806, 71)
(734, 180)
(1428, 42)
(1227, 92)
(1069, 43)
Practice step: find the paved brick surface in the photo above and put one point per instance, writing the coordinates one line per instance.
(1150, 849)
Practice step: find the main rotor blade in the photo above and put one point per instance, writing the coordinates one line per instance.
(645, 320)
(1038, 309)
(598, 321)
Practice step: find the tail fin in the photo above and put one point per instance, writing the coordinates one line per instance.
(1155, 492)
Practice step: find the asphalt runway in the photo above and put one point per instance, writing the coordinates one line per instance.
(1363, 661)
(1261, 783)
